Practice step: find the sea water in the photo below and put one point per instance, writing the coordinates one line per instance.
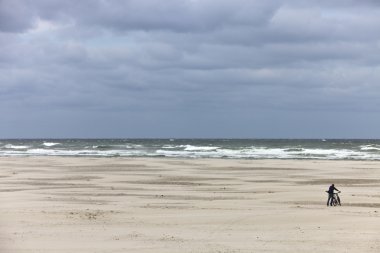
(196, 148)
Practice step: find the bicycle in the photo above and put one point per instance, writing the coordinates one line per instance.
(335, 199)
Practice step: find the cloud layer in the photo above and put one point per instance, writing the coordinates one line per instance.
(189, 68)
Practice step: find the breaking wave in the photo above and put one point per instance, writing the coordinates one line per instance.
(193, 148)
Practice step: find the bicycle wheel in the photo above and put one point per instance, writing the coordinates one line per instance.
(334, 202)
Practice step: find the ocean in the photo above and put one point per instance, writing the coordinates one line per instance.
(329, 149)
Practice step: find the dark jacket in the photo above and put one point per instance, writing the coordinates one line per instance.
(331, 189)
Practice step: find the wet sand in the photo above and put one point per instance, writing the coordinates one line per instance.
(58, 204)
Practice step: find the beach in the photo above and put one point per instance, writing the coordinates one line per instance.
(89, 204)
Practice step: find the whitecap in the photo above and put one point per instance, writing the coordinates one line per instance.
(170, 146)
(10, 146)
(50, 144)
(369, 148)
(199, 148)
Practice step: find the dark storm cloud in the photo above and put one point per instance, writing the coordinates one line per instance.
(190, 60)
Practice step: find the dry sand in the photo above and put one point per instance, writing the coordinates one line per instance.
(56, 204)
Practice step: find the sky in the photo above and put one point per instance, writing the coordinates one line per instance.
(189, 69)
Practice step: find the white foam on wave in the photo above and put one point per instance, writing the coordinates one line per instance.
(370, 147)
(183, 153)
(270, 153)
(366, 152)
(225, 153)
(199, 148)
(10, 146)
(169, 146)
(117, 146)
(50, 144)
(333, 153)
(82, 152)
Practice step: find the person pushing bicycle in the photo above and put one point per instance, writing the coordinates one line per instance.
(331, 194)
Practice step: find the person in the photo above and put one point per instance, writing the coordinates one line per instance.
(331, 194)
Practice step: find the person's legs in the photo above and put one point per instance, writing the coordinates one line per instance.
(329, 200)
(331, 197)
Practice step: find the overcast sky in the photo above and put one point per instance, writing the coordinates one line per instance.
(189, 68)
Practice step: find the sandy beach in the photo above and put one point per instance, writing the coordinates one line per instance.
(58, 204)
